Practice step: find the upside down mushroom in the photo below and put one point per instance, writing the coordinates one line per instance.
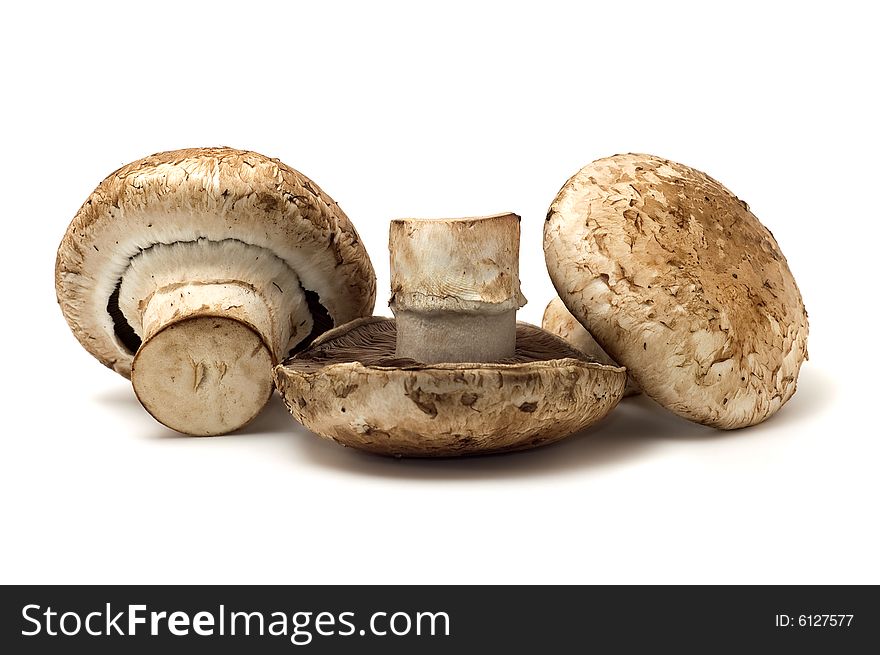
(454, 374)
(194, 272)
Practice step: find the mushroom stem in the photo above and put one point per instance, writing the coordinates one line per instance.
(207, 355)
(455, 288)
(233, 300)
(432, 337)
(212, 318)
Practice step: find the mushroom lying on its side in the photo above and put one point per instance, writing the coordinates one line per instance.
(558, 320)
(195, 271)
(421, 385)
(678, 281)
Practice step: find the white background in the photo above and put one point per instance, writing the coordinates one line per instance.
(469, 108)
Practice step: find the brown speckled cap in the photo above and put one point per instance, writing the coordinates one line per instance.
(678, 281)
(351, 387)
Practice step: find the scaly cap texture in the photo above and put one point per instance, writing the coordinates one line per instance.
(678, 281)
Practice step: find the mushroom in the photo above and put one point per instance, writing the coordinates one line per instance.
(194, 272)
(558, 320)
(454, 374)
(678, 281)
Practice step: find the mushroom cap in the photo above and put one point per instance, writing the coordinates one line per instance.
(558, 320)
(349, 387)
(210, 194)
(678, 281)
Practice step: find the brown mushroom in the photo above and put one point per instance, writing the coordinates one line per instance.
(677, 280)
(558, 320)
(421, 386)
(195, 271)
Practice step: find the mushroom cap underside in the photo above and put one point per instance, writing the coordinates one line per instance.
(678, 281)
(349, 387)
(206, 196)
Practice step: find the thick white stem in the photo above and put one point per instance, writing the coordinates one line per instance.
(455, 337)
(235, 300)
(205, 364)
(213, 319)
(455, 288)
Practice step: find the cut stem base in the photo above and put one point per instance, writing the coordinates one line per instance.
(205, 366)
(204, 375)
